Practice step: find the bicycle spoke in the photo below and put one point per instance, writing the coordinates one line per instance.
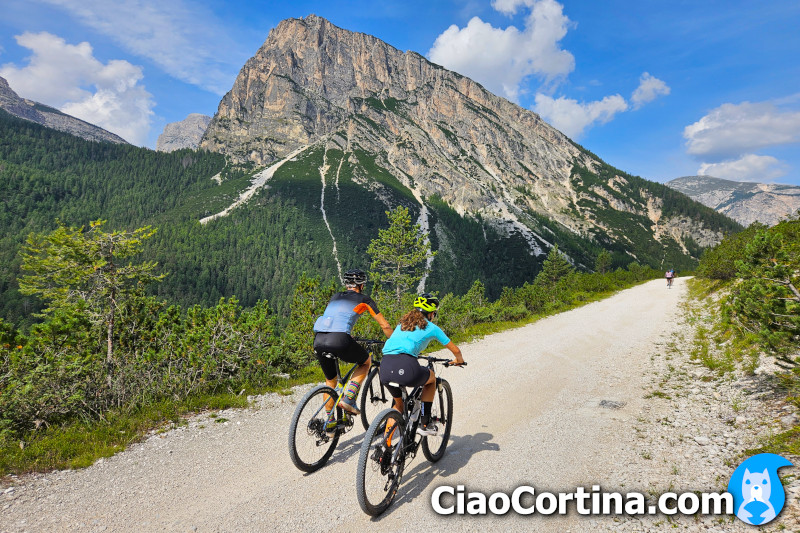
(374, 397)
(433, 446)
(380, 464)
(309, 445)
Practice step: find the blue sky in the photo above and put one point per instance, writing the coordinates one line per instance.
(657, 89)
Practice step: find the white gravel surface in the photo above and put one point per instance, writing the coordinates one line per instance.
(561, 403)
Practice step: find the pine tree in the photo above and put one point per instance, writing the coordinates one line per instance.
(86, 272)
(399, 254)
(767, 298)
(603, 262)
(554, 268)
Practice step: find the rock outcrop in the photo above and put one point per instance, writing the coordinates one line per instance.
(437, 132)
(745, 202)
(184, 134)
(51, 117)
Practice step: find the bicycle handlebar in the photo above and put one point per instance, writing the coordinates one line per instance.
(446, 362)
(368, 341)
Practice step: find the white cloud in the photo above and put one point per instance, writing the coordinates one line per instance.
(71, 79)
(648, 90)
(749, 167)
(188, 42)
(501, 58)
(733, 129)
(572, 117)
(509, 7)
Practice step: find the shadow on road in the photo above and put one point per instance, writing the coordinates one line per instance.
(459, 451)
(349, 446)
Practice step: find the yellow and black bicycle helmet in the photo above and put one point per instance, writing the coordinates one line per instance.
(426, 302)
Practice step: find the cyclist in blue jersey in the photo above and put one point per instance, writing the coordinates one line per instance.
(332, 335)
(400, 365)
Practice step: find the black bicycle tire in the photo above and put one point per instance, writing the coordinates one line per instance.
(364, 463)
(367, 390)
(293, 427)
(443, 400)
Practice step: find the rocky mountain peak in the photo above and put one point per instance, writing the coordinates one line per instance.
(313, 84)
(183, 134)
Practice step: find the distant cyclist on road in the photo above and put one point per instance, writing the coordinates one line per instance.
(332, 335)
(400, 365)
(670, 275)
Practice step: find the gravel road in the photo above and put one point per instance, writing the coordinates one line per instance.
(557, 404)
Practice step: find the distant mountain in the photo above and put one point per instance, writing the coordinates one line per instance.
(52, 118)
(745, 202)
(405, 130)
(184, 134)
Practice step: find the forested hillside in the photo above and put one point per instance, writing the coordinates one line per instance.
(257, 252)
(260, 250)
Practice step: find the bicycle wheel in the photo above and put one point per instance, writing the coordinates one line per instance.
(374, 397)
(309, 446)
(442, 414)
(380, 463)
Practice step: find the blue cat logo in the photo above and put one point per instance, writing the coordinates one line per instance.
(758, 495)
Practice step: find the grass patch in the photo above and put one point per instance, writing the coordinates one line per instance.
(786, 443)
(79, 444)
(658, 394)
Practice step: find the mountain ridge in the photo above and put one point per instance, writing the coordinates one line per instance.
(745, 202)
(50, 117)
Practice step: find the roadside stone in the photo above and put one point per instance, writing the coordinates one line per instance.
(702, 441)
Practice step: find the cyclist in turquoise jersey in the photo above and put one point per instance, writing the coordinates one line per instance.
(400, 365)
(332, 335)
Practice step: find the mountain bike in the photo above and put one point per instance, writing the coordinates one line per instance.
(392, 439)
(319, 421)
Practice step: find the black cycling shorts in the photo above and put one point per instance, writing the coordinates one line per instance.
(342, 346)
(403, 369)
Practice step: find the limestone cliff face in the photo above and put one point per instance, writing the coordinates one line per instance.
(439, 133)
(745, 202)
(52, 118)
(184, 134)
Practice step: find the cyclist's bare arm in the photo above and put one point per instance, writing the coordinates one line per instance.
(456, 352)
(384, 324)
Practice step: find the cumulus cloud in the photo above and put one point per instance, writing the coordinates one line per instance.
(648, 90)
(187, 42)
(71, 79)
(733, 129)
(749, 167)
(501, 58)
(572, 117)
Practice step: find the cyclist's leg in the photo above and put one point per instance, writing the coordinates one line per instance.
(355, 353)
(429, 390)
(428, 394)
(328, 343)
